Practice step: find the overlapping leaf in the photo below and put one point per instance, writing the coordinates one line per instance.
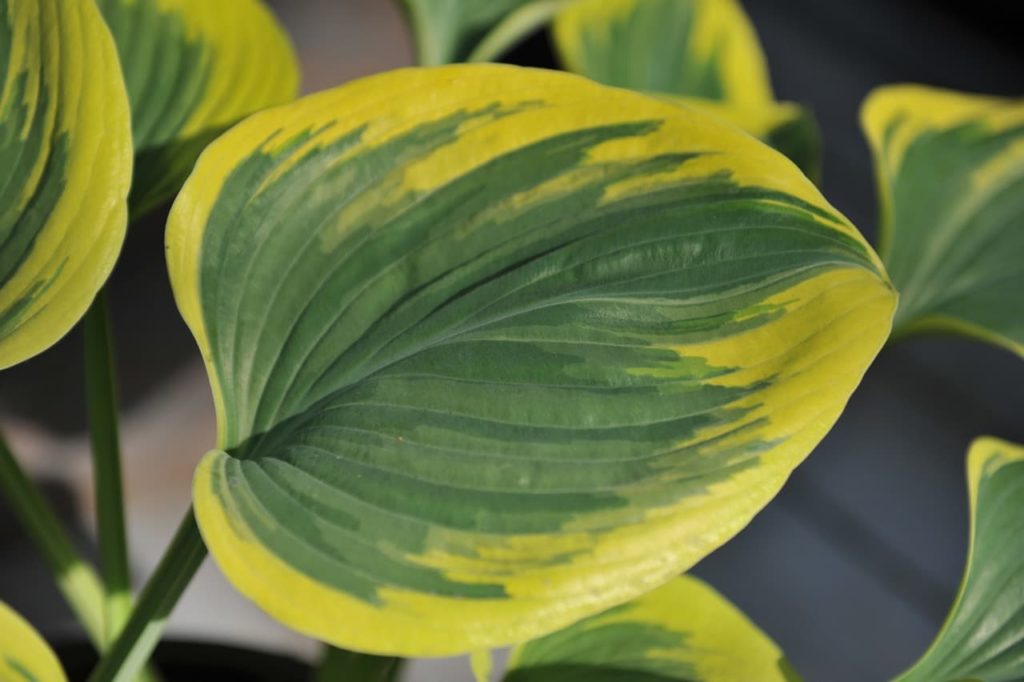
(65, 167)
(696, 48)
(704, 50)
(24, 656)
(684, 631)
(983, 638)
(192, 68)
(951, 175)
(492, 360)
(338, 664)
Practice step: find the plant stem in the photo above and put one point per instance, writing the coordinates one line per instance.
(76, 579)
(514, 28)
(101, 392)
(340, 665)
(141, 633)
(429, 51)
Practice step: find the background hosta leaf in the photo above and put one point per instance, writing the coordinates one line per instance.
(446, 31)
(24, 656)
(495, 359)
(65, 167)
(194, 67)
(699, 49)
(951, 175)
(983, 637)
(684, 631)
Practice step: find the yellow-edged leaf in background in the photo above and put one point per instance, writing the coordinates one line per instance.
(950, 170)
(704, 50)
(65, 168)
(24, 656)
(983, 637)
(493, 360)
(696, 48)
(193, 68)
(684, 631)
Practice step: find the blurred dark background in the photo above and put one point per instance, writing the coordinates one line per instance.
(851, 569)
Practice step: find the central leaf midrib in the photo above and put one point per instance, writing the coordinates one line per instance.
(275, 434)
(452, 336)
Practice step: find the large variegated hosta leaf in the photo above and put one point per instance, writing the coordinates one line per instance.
(951, 175)
(704, 50)
(446, 31)
(194, 67)
(501, 356)
(65, 168)
(684, 631)
(24, 656)
(983, 638)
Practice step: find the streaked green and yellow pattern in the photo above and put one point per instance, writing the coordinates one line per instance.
(446, 31)
(784, 126)
(65, 167)
(490, 361)
(705, 51)
(983, 637)
(193, 68)
(24, 656)
(684, 631)
(950, 170)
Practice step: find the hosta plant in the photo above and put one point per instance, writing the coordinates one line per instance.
(497, 353)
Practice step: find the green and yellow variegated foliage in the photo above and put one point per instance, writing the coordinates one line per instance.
(696, 48)
(65, 167)
(785, 126)
(684, 631)
(24, 656)
(447, 31)
(950, 172)
(704, 51)
(490, 361)
(983, 637)
(193, 68)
